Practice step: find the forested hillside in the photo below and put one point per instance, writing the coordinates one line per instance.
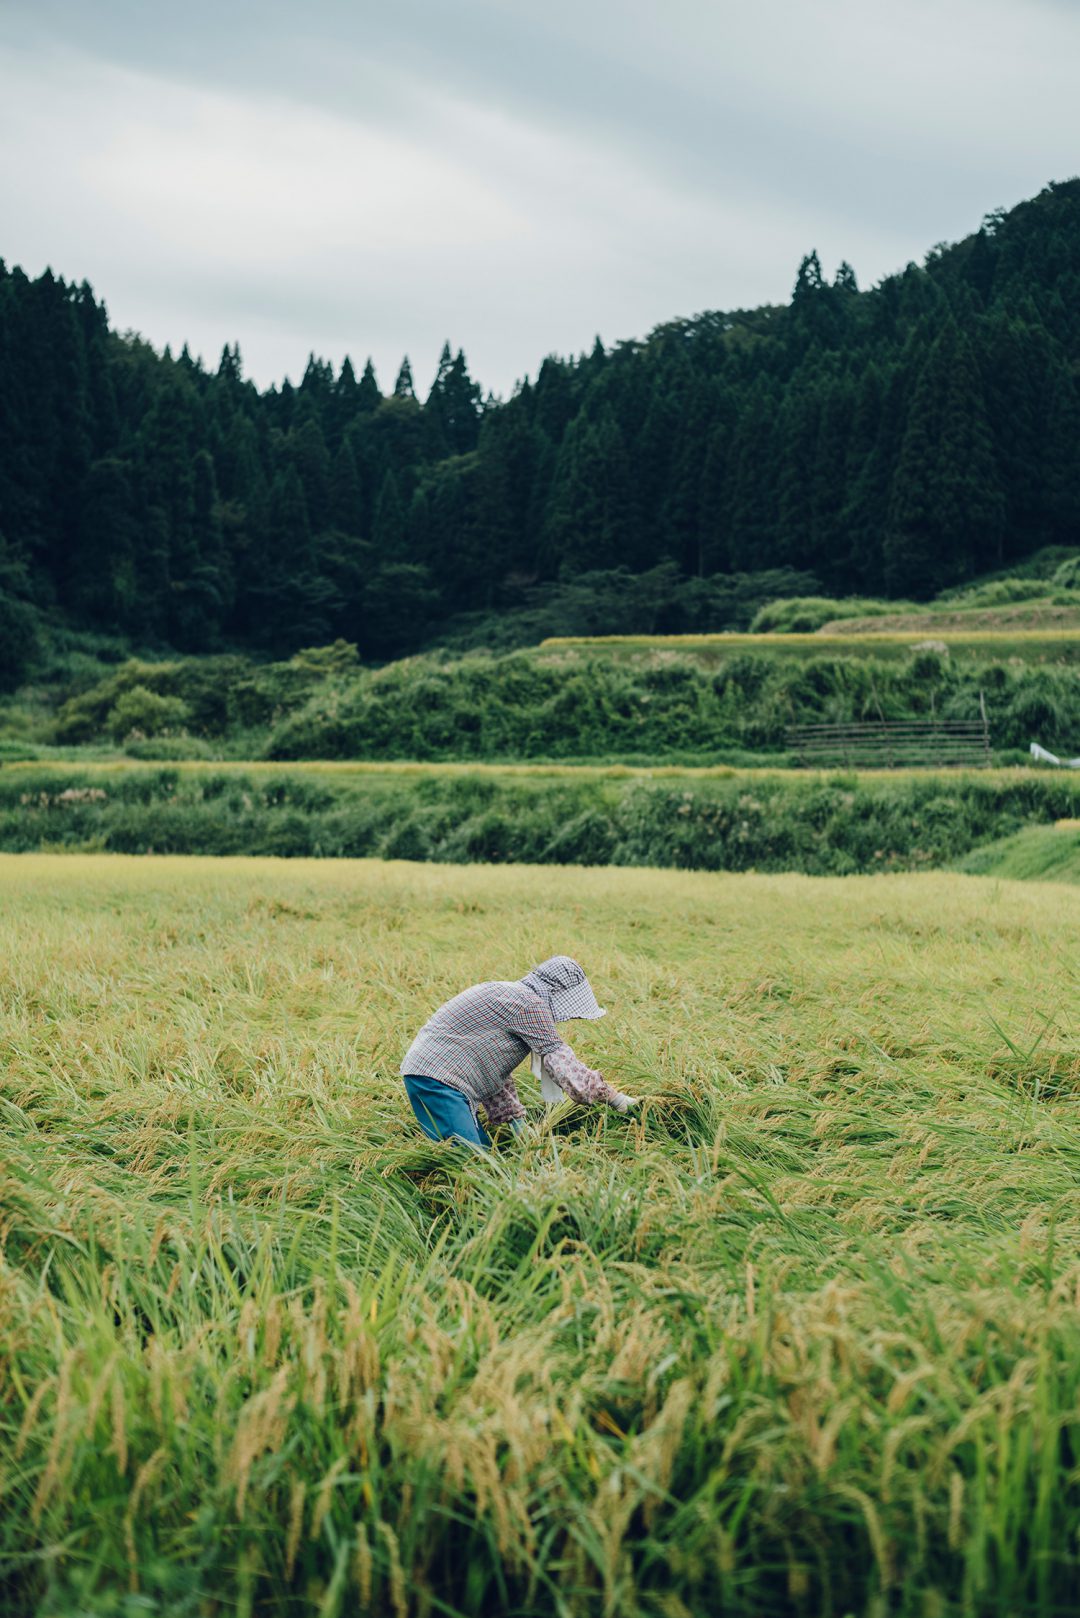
(895, 441)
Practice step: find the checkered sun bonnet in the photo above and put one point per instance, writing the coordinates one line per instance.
(563, 983)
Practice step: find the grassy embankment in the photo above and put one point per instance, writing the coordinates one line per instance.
(1036, 854)
(815, 822)
(725, 699)
(803, 1340)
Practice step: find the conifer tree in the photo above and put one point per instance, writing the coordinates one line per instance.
(403, 387)
(797, 427)
(293, 604)
(317, 382)
(873, 450)
(19, 640)
(713, 503)
(511, 482)
(827, 552)
(1017, 363)
(288, 528)
(752, 482)
(946, 513)
(444, 534)
(368, 397)
(390, 531)
(214, 572)
(346, 506)
(102, 583)
(308, 452)
(230, 369)
(343, 406)
(453, 406)
(593, 516)
(553, 399)
(898, 438)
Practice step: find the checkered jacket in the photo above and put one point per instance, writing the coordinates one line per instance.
(475, 1041)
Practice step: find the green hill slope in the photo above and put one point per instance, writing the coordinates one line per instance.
(894, 441)
(1036, 854)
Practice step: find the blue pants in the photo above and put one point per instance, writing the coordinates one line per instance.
(443, 1112)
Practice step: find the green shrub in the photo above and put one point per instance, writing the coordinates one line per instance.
(141, 712)
(1066, 575)
(14, 750)
(87, 715)
(19, 640)
(1041, 564)
(1001, 592)
(168, 746)
(804, 615)
(341, 657)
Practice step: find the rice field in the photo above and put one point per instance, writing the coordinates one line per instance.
(1053, 645)
(802, 1339)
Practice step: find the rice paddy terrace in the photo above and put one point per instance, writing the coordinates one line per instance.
(1053, 644)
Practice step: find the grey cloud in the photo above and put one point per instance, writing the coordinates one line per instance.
(758, 132)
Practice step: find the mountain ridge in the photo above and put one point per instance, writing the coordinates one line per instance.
(895, 441)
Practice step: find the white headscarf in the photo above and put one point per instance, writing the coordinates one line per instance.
(563, 984)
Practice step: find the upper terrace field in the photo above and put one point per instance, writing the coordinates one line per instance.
(1030, 645)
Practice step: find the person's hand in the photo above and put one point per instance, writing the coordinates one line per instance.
(623, 1103)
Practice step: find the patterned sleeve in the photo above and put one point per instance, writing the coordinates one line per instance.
(531, 1020)
(581, 1083)
(504, 1105)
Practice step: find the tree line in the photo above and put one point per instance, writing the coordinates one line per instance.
(895, 440)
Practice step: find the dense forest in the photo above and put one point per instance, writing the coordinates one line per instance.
(893, 441)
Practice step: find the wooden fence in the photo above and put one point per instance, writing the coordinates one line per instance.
(893, 744)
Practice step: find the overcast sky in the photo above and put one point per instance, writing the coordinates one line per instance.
(517, 177)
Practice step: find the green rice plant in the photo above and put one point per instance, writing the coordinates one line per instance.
(801, 1337)
(1036, 645)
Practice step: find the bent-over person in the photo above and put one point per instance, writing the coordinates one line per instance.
(464, 1056)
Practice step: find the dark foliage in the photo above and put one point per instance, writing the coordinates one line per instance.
(902, 439)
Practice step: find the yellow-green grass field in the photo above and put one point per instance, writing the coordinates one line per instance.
(1052, 645)
(424, 770)
(1004, 775)
(1036, 854)
(804, 1338)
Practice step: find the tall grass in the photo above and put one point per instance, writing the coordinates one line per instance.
(821, 823)
(1038, 853)
(803, 1339)
(711, 699)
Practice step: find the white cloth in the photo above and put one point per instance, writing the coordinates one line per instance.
(550, 1092)
(1044, 757)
